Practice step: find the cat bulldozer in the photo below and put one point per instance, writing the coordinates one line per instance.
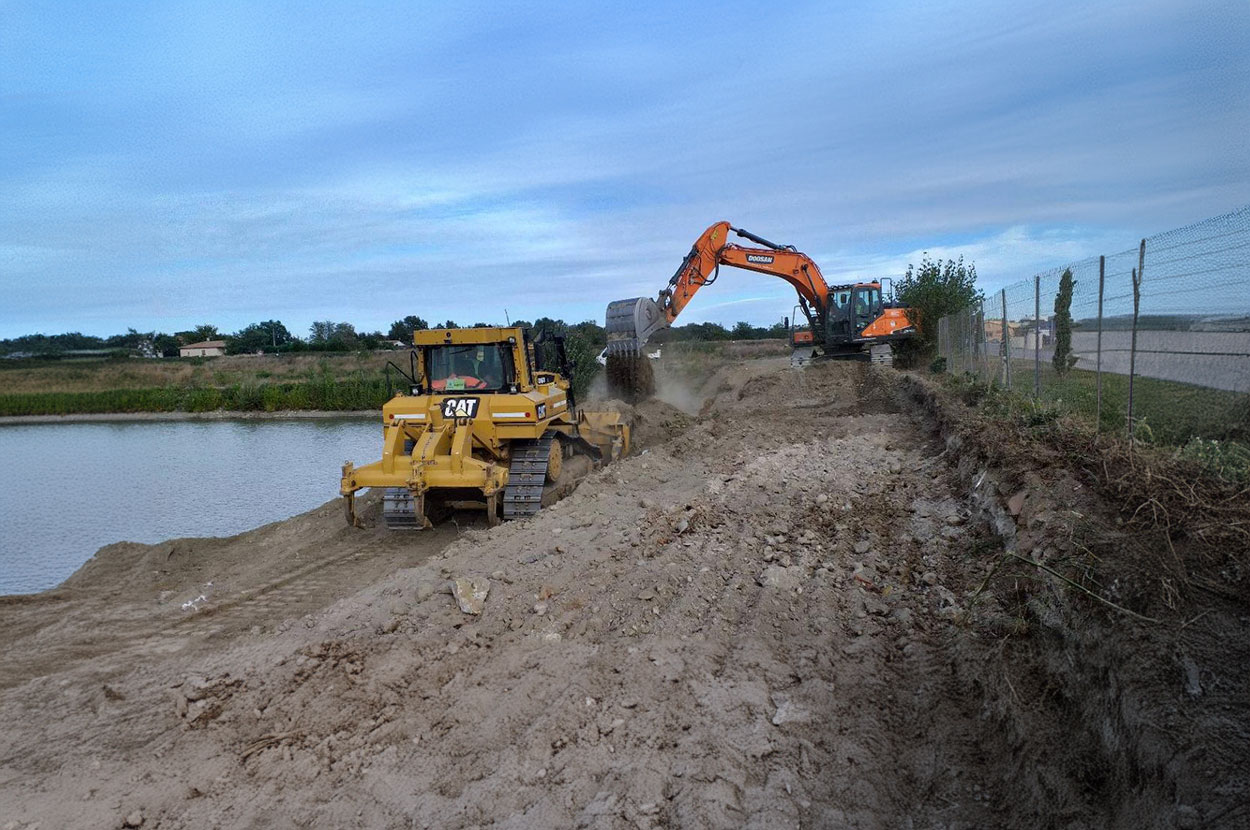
(854, 321)
(482, 424)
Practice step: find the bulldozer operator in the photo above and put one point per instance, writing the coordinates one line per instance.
(470, 369)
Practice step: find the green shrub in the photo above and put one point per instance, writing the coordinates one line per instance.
(1227, 459)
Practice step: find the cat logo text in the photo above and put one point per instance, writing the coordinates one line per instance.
(460, 407)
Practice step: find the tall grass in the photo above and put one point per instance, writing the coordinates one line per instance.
(322, 394)
(1164, 411)
(100, 375)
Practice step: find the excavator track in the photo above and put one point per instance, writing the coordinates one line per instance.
(523, 495)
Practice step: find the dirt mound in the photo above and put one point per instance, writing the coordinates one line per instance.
(652, 421)
(770, 617)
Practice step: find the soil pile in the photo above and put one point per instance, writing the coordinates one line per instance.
(768, 618)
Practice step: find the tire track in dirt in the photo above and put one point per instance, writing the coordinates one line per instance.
(100, 629)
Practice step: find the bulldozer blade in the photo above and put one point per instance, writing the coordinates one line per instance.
(631, 322)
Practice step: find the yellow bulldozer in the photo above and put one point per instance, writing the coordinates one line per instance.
(483, 423)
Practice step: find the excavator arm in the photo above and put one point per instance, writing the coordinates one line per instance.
(631, 322)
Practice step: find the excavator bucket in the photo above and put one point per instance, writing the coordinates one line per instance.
(631, 322)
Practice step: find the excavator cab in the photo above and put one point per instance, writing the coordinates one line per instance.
(858, 315)
(867, 305)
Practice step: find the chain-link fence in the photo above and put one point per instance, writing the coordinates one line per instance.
(1154, 341)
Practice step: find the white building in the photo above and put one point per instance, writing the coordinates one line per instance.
(207, 348)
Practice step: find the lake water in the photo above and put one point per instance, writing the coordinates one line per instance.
(68, 489)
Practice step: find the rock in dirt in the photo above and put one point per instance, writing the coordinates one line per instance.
(778, 576)
(195, 688)
(135, 819)
(1193, 678)
(470, 594)
(788, 712)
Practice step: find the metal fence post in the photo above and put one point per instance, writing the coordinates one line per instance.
(1037, 335)
(970, 338)
(1132, 349)
(970, 356)
(1005, 347)
(983, 363)
(1102, 275)
(965, 341)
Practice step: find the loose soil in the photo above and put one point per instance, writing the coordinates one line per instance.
(630, 377)
(782, 610)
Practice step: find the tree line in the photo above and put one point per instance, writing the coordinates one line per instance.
(931, 290)
(272, 336)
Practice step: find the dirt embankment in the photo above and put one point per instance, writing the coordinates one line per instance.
(770, 617)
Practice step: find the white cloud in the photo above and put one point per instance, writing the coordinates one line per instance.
(253, 163)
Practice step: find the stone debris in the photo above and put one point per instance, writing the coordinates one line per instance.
(781, 577)
(470, 594)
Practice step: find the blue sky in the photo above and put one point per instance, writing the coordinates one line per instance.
(176, 163)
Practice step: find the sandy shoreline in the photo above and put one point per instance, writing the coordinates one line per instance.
(219, 415)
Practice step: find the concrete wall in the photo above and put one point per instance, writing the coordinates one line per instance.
(1204, 358)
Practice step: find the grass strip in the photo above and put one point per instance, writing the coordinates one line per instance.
(318, 395)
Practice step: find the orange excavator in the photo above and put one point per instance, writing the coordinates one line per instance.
(845, 320)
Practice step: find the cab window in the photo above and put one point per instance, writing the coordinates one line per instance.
(868, 302)
(465, 368)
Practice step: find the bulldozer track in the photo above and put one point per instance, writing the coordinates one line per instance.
(399, 511)
(527, 474)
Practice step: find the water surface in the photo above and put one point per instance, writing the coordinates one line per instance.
(68, 489)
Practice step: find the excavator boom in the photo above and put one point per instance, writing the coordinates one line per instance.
(848, 318)
(631, 322)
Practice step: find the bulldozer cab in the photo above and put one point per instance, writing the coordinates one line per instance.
(484, 360)
(482, 367)
(482, 424)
